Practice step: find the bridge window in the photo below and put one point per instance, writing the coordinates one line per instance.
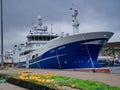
(48, 38)
(40, 38)
(32, 38)
(44, 38)
(36, 38)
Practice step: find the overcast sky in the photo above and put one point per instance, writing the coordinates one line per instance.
(94, 15)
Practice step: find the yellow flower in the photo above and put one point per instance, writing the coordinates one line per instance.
(43, 80)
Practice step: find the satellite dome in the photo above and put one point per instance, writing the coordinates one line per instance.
(39, 17)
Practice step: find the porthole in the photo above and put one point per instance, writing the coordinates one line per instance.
(33, 56)
(36, 55)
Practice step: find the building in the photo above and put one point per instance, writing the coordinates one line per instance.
(111, 49)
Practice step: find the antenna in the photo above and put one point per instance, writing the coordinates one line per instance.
(51, 29)
(75, 21)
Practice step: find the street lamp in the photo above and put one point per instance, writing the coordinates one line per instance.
(2, 61)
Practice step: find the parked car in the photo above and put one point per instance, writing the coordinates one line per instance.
(117, 63)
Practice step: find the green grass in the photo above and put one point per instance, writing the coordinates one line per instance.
(83, 84)
(13, 74)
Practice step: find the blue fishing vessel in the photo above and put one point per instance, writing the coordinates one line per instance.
(48, 50)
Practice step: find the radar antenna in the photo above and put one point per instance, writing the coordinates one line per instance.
(51, 29)
(40, 23)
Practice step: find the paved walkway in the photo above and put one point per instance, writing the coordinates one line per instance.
(7, 86)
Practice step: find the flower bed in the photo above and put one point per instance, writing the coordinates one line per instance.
(31, 81)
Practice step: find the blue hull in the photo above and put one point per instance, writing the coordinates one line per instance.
(68, 56)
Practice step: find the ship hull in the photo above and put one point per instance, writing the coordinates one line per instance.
(72, 56)
(73, 53)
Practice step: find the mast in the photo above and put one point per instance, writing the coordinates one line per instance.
(75, 22)
(2, 61)
(40, 23)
